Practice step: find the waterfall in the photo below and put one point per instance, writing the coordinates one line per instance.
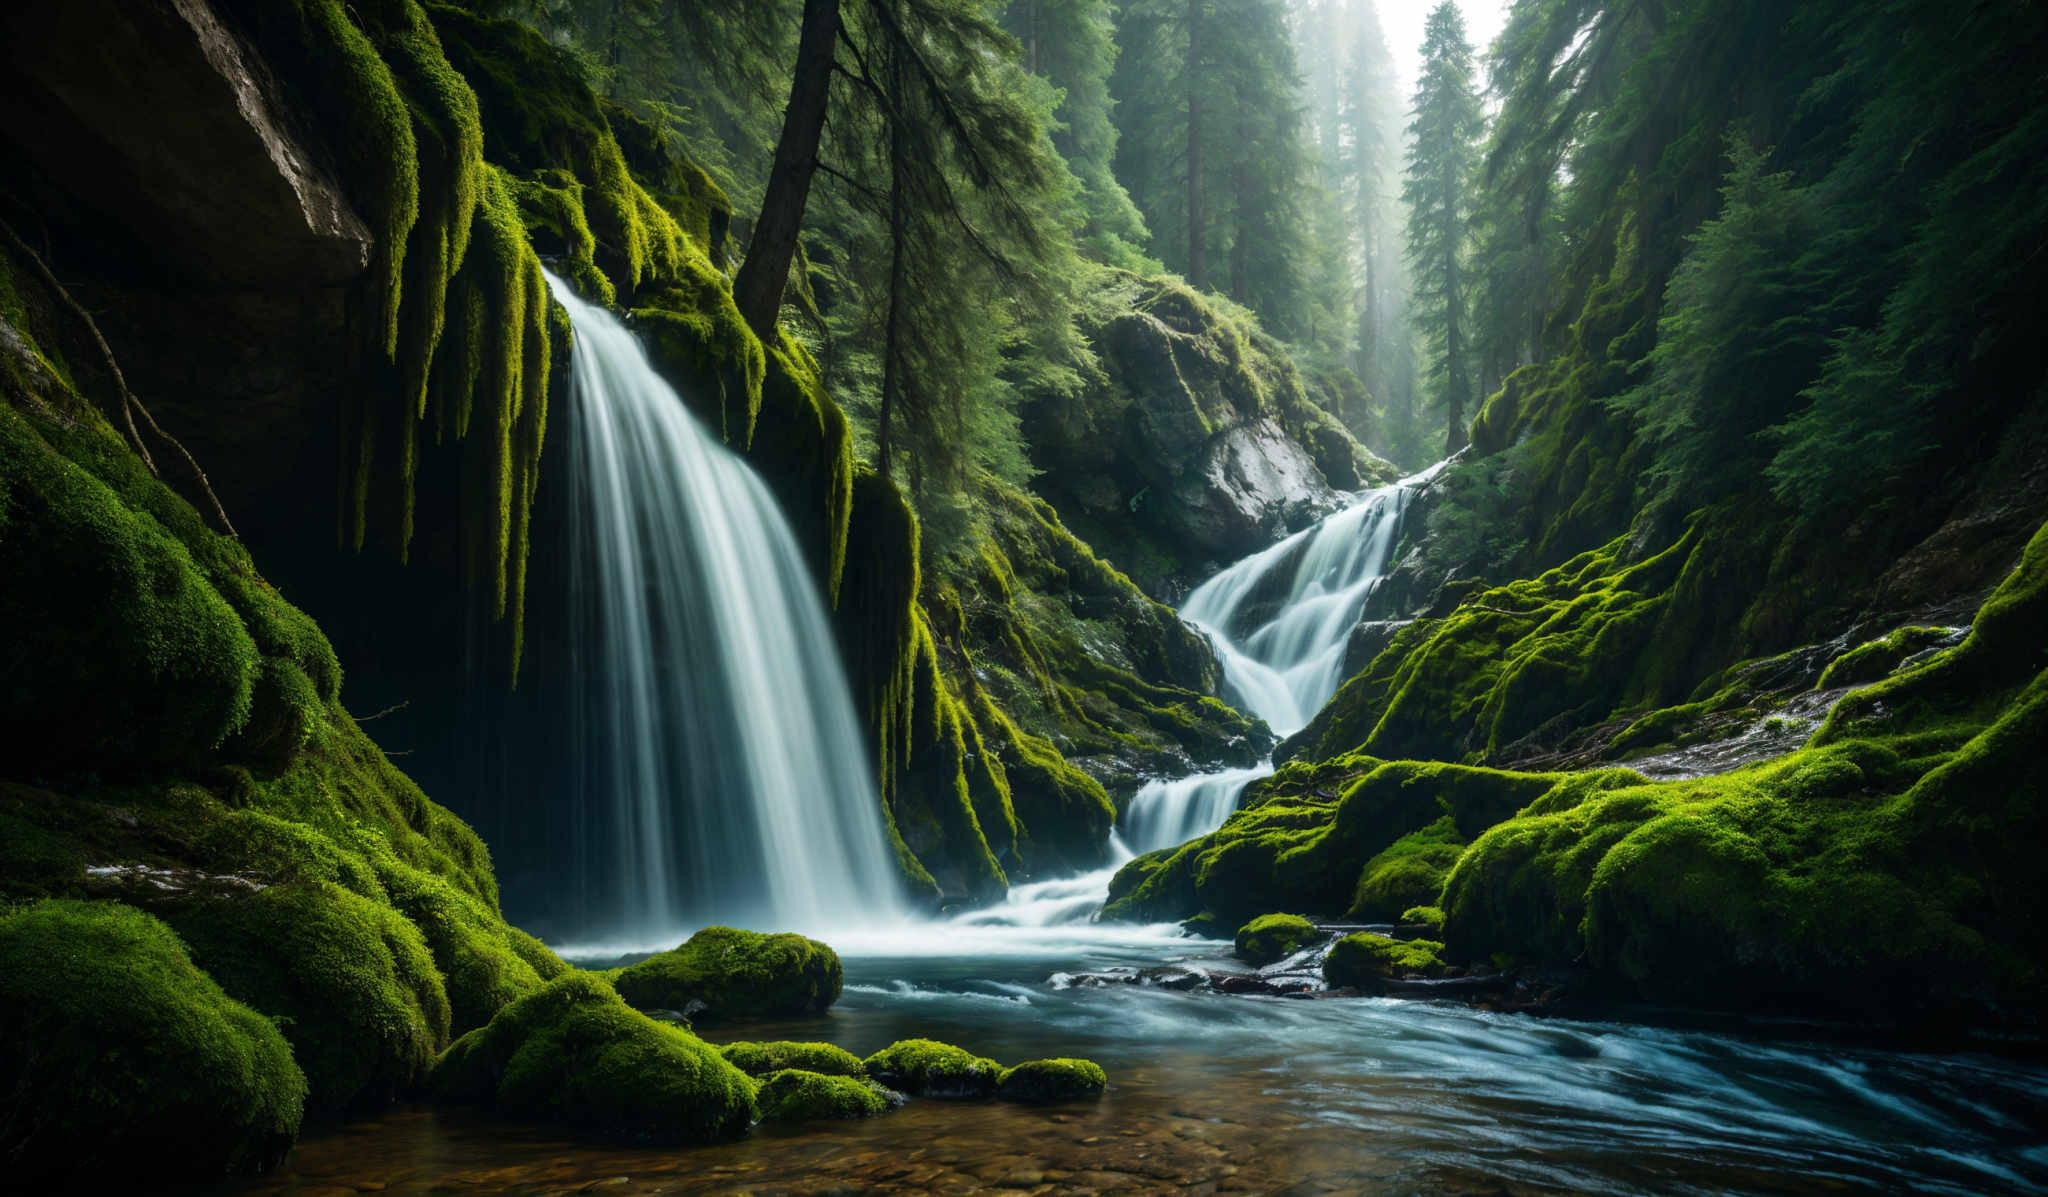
(1280, 621)
(726, 776)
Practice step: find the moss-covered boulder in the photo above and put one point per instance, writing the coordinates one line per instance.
(1043, 1082)
(120, 1056)
(1364, 961)
(350, 980)
(573, 1053)
(1381, 845)
(1271, 936)
(796, 1095)
(724, 973)
(761, 1059)
(927, 1068)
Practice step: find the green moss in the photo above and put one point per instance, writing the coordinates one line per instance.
(1408, 872)
(722, 973)
(1365, 961)
(573, 1053)
(1427, 916)
(1293, 847)
(120, 1056)
(760, 1059)
(930, 1069)
(1272, 936)
(485, 963)
(351, 982)
(1044, 1082)
(135, 661)
(794, 1095)
(1881, 873)
(1873, 659)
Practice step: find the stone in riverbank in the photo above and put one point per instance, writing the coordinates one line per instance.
(1271, 937)
(928, 1068)
(722, 973)
(1048, 1081)
(574, 1053)
(1366, 961)
(794, 1095)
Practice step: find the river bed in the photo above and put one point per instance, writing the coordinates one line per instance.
(1212, 1093)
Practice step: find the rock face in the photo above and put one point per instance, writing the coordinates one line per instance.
(1199, 443)
(208, 172)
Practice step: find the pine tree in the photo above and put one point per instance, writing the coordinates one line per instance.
(1443, 153)
(1071, 44)
(1372, 131)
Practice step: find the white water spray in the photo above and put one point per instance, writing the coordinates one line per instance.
(1284, 663)
(728, 776)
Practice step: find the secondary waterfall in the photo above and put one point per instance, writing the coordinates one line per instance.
(1280, 621)
(726, 774)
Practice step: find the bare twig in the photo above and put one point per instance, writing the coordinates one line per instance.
(130, 405)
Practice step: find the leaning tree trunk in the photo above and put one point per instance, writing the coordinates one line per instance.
(758, 289)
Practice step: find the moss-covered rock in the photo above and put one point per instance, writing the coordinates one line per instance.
(1292, 846)
(795, 1095)
(1271, 936)
(927, 1068)
(724, 973)
(573, 1053)
(1873, 659)
(1043, 1082)
(122, 1057)
(351, 981)
(1365, 961)
(760, 1059)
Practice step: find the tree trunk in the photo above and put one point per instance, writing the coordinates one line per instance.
(758, 289)
(1198, 216)
(892, 343)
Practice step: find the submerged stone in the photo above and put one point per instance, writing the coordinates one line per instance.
(1045, 1081)
(761, 1059)
(928, 1068)
(1271, 937)
(796, 1095)
(574, 1053)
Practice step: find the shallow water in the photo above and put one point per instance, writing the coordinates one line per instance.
(1212, 1093)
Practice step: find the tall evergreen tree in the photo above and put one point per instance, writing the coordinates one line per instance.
(1372, 134)
(1444, 133)
(1072, 44)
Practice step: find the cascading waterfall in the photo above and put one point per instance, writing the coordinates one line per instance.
(727, 775)
(1284, 664)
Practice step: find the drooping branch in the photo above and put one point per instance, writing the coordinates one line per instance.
(130, 405)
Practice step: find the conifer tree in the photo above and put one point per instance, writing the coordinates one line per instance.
(1444, 132)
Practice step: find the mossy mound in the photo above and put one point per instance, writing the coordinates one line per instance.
(1272, 936)
(1364, 961)
(795, 1095)
(724, 973)
(574, 1053)
(351, 981)
(1424, 916)
(120, 1056)
(760, 1059)
(1874, 659)
(927, 1068)
(1043, 1082)
(1883, 873)
(1377, 848)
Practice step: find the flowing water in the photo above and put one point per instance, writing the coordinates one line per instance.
(727, 774)
(1280, 621)
(719, 680)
